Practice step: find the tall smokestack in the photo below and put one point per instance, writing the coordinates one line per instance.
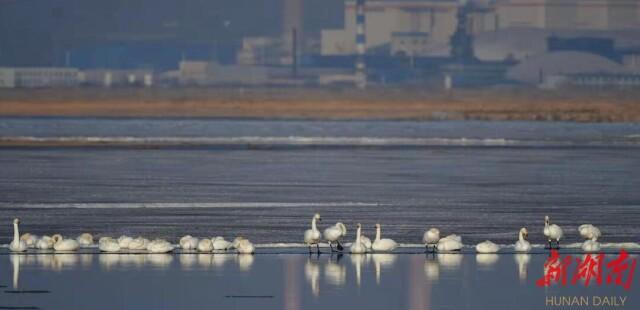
(361, 40)
(292, 19)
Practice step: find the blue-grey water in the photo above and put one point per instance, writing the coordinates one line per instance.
(291, 281)
(265, 178)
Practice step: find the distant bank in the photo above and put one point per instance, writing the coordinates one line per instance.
(314, 103)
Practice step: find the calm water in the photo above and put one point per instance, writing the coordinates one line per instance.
(264, 179)
(284, 281)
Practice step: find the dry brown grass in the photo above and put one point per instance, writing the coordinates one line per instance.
(313, 103)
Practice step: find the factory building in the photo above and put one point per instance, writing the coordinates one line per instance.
(38, 77)
(424, 27)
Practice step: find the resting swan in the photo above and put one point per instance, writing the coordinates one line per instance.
(138, 244)
(17, 245)
(450, 243)
(588, 231)
(431, 238)
(205, 245)
(85, 240)
(29, 239)
(552, 231)
(219, 244)
(487, 247)
(591, 245)
(357, 247)
(245, 247)
(522, 245)
(312, 236)
(382, 245)
(159, 246)
(44, 243)
(107, 244)
(61, 244)
(334, 234)
(124, 241)
(188, 243)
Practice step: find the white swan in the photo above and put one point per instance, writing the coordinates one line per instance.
(552, 231)
(245, 247)
(365, 241)
(108, 245)
(450, 243)
(219, 244)
(61, 244)
(159, 246)
(17, 245)
(29, 239)
(588, 231)
(312, 236)
(591, 245)
(522, 245)
(357, 247)
(431, 238)
(85, 240)
(44, 243)
(138, 244)
(487, 247)
(189, 243)
(334, 234)
(124, 241)
(382, 245)
(205, 245)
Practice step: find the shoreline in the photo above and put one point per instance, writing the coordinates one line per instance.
(413, 104)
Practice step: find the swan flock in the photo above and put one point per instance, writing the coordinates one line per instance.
(332, 235)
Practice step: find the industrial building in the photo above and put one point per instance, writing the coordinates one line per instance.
(38, 77)
(424, 27)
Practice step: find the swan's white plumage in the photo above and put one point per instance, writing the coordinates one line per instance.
(107, 244)
(591, 245)
(552, 231)
(487, 247)
(17, 245)
(189, 243)
(124, 241)
(219, 244)
(61, 244)
(335, 233)
(85, 240)
(245, 247)
(450, 243)
(431, 236)
(138, 244)
(522, 245)
(29, 239)
(357, 247)
(312, 236)
(44, 243)
(588, 231)
(159, 246)
(365, 241)
(382, 245)
(205, 245)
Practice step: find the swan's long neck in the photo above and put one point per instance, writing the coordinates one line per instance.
(378, 233)
(16, 233)
(521, 237)
(313, 224)
(358, 235)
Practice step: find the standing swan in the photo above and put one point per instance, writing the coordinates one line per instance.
(382, 245)
(553, 232)
(312, 236)
(334, 234)
(357, 247)
(17, 245)
(522, 245)
(431, 238)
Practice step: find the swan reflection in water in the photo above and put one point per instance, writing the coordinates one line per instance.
(431, 270)
(335, 273)
(187, 260)
(245, 261)
(487, 260)
(16, 260)
(219, 260)
(159, 260)
(522, 260)
(312, 274)
(450, 261)
(357, 260)
(382, 260)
